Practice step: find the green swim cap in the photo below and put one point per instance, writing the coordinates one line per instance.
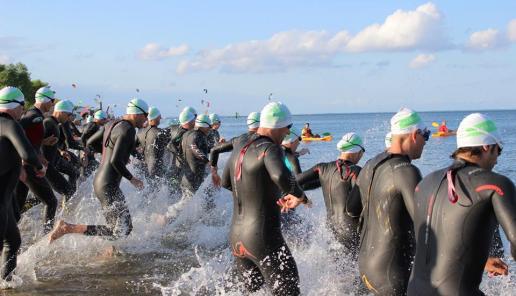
(191, 110)
(275, 115)
(202, 120)
(136, 106)
(477, 130)
(405, 122)
(11, 97)
(100, 115)
(64, 106)
(44, 94)
(253, 120)
(350, 143)
(214, 118)
(292, 136)
(186, 116)
(153, 113)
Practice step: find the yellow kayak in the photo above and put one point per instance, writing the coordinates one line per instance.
(443, 134)
(321, 139)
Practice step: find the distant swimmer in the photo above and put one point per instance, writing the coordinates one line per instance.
(262, 188)
(117, 143)
(32, 123)
(386, 187)
(214, 138)
(186, 123)
(253, 122)
(338, 180)
(457, 211)
(306, 132)
(99, 119)
(15, 149)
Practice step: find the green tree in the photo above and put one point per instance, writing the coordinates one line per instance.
(19, 76)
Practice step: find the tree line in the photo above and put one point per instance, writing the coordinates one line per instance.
(19, 76)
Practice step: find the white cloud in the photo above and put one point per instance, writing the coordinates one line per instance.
(511, 31)
(4, 59)
(153, 51)
(486, 39)
(421, 61)
(403, 30)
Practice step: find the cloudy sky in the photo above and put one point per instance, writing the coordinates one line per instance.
(316, 56)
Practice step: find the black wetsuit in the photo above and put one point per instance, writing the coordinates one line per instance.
(195, 153)
(90, 129)
(71, 167)
(32, 123)
(153, 141)
(227, 147)
(14, 147)
(454, 230)
(117, 140)
(337, 179)
(386, 186)
(257, 176)
(177, 162)
(213, 138)
(51, 153)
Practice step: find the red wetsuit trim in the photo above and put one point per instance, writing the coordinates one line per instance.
(497, 189)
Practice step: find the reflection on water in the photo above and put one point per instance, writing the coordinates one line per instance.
(190, 256)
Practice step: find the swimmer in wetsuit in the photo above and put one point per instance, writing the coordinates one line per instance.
(186, 123)
(253, 122)
(152, 141)
(214, 138)
(457, 211)
(99, 120)
(51, 124)
(118, 143)
(386, 188)
(32, 123)
(338, 179)
(14, 148)
(260, 181)
(289, 145)
(195, 154)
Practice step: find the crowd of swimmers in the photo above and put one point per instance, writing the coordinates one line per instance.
(409, 234)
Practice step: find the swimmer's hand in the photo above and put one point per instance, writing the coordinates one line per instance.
(304, 151)
(41, 173)
(66, 155)
(215, 178)
(290, 201)
(137, 183)
(23, 175)
(49, 141)
(159, 219)
(222, 140)
(496, 267)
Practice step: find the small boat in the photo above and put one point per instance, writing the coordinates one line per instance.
(321, 139)
(443, 134)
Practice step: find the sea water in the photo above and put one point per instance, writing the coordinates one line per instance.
(191, 256)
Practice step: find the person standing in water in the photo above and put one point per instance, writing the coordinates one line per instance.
(32, 123)
(117, 143)
(338, 180)
(386, 189)
(195, 153)
(186, 123)
(253, 122)
(15, 149)
(99, 120)
(262, 188)
(214, 138)
(457, 212)
(289, 145)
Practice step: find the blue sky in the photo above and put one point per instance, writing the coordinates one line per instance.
(316, 56)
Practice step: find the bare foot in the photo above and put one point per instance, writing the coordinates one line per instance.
(59, 230)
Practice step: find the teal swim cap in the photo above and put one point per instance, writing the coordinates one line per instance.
(350, 143)
(153, 113)
(89, 118)
(186, 116)
(64, 106)
(100, 115)
(44, 94)
(214, 118)
(11, 97)
(275, 115)
(202, 120)
(191, 110)
(253, 120)
(136, 106)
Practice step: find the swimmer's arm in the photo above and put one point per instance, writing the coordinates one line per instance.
(198, 153)
(122, 150)
(226, 177)
(95, 141)
(354, 203)
(279, 172)
(309, 179)
(505, 209)
(296, 166)
(23, 146)
(70, 141)
(406, 179)
(221, 148)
